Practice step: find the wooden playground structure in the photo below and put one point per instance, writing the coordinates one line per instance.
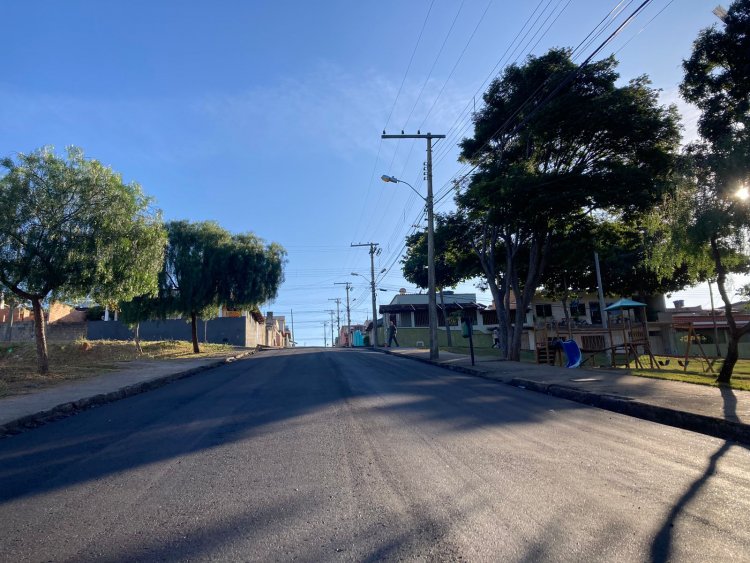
(623, 337)
(625, 340)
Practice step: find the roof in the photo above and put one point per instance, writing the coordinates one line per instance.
(624, 303)
(424, 306)
(422, 298)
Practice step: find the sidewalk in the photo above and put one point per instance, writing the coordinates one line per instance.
(720, 412)
(19, 412)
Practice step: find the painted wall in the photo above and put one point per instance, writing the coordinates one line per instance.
(226, 330)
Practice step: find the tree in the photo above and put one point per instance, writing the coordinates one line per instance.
(136, 310)
(205, 267)
(717, 81)
(452, 263)
(70, 227)
(577, 143)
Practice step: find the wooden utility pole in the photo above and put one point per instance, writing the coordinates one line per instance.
(348, 314)
(432, 302)
(338, 314)
(333, 340)
(373, 250)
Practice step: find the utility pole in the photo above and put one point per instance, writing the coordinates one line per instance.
(348, 314)
(604, 314)
(432, 302)
(373, 246)
(333, 340)
(325, 334)
(338, 314)
(294, 343)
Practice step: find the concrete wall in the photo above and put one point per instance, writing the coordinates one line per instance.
(24, 332)
(225, 330)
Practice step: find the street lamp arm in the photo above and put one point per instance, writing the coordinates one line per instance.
(395, 180)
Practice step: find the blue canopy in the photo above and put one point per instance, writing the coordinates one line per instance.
(624, 304)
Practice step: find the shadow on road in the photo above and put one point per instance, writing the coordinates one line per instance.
(661, 549)
(244, 400)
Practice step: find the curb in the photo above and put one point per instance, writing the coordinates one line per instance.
(65, 410)
(702, 424)
(459, 369)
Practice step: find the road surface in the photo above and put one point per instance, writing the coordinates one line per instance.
(342, 455)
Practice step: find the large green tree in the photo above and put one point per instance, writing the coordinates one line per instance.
(717, 80)
(552, 144)
(69, 227)
(205, 267)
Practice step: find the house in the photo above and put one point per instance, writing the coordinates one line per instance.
(278, 335)
(343, 339)
(410, 313)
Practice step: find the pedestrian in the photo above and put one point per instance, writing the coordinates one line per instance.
(392, 331)
(496, 337)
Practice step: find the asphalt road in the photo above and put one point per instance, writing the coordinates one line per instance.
(345, 455)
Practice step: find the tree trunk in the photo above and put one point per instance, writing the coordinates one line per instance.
(539, 246)
(564, 301)
(9, 330)
(445, 320)
(194, 330)
(734, 333)
(725, 375)
(137, 335)
(41, 336)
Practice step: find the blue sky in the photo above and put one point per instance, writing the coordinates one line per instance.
(266, 116)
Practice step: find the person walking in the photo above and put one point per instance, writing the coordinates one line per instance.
(496, 337)
(392, 331)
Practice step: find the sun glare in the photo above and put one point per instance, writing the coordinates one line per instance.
(742, 193)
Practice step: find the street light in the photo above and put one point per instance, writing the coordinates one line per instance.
(431, 300)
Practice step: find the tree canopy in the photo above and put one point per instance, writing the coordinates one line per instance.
(205, 267)
(453, 264)
(711, 218)
(69, 227)
(553, 143)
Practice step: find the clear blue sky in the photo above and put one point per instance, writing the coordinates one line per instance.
(266, 116)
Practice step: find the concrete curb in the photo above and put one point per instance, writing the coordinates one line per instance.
(65, 410)
(702, 424)
(459, 369)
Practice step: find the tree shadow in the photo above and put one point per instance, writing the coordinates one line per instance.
(661, 549)
(245, 400)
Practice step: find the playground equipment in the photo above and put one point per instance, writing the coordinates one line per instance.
(632, 342)
(572, 353)
(692, 337)
(633, 337)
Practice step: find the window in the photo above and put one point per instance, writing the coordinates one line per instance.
(490, 317)
(577, 309)
(596, 314)
(404, 319)
(421, 317)
(544, 310)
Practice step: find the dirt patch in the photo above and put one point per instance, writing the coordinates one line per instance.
(85, 358)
